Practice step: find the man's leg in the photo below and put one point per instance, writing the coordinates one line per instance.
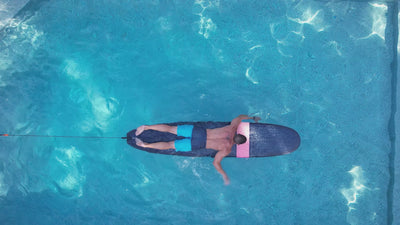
(158, 127)
(157, 145)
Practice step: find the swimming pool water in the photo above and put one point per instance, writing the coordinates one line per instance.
(102, 68)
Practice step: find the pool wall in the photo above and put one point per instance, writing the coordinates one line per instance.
(395, 156)
(9, 9)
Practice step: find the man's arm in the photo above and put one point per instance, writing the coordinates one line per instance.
(217, 164)
(235, 122)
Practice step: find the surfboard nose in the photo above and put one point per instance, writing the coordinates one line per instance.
(272, 140)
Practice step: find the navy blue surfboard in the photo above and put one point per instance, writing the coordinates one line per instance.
(263, 140)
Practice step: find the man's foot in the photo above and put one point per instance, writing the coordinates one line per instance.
(139, 130)
(139, 143)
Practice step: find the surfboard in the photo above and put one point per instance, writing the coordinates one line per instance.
(263, 140)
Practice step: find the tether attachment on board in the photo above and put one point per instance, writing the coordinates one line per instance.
(52, 136)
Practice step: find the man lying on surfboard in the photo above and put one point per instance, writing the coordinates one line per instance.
(220, 139)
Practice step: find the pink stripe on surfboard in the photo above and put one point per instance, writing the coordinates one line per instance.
(243, 150)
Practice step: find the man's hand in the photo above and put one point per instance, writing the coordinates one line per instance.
(226, 180)
(256, 119)
(217, 164)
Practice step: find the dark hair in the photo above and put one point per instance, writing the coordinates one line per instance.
(239, 139)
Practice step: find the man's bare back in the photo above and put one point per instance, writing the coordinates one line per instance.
(220, 138)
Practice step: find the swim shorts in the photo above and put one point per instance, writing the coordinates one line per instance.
(194, 138)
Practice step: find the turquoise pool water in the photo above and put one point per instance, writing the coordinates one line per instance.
(102, 68)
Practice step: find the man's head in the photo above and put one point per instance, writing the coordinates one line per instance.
(239, 139)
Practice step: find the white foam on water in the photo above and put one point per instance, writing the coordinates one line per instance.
(65, 171)
(145, 177)
(3, 186)
(26, 36)
(5, 63)
(183, 164)
(290, 34)
(22, 40)
(311, 17)
(3, 7)
(164, 24)
(255, 47)
(206, 25)
(74, 71)
(250, 77)
(378, 16)
(379, 19)
(335, 46)
(356, 188)
(103, 108)
(286, 39)
(195, 172)
(354, 192)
